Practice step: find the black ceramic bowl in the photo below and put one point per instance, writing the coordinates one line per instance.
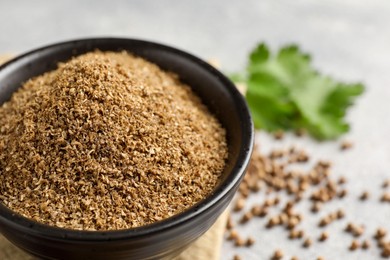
(163, 239)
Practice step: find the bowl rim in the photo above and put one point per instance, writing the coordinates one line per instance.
(29, 226)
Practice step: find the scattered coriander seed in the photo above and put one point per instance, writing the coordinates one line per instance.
(250, 241)
(279, 134)
(283, 218)
(364, 196)
(298, 197)
(240, 203)
(269, 203)
(386, 184)
(293, 234)
(292, 149)
(333, 216)
(385, 197)
(324, 164)
(345, 145)
(342, 180)
(278, 254)
(355, 230)
(316, 206)
(233, 235)
(340, 214)
(289, 205)
(244, 192)
(292, 223)
(385, 253)
(236, 257)
(246, 217)
(303, 186)
(294, 258)
(275, 154)
(342, 194)
(358, 231)
(299, 217)
(302, 157)
(256, 210)
(380, 233)
(273, 221)
(324, 236)
(354, 245)
(239, 242)
(229, 223)
(320, 258)
(366, 244)
(256, 187)
(381, 242)
(307, 243)
(263, 213)
(324, 222)
(273, 172)
(386, 250)
(349, 227)
(293, 159)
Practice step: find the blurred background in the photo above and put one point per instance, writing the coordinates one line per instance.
(348, 39)
(351, 34)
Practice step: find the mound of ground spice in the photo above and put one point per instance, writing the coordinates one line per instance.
(107, 141)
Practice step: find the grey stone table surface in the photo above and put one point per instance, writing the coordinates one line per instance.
(348, 39)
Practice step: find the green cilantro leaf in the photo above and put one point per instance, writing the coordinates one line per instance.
(286, 92)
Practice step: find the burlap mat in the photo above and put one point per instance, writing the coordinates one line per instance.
(206, 247)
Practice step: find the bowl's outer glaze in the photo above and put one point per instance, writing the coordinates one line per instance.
(163, 239)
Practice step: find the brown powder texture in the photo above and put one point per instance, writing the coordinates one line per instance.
(107, 141)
